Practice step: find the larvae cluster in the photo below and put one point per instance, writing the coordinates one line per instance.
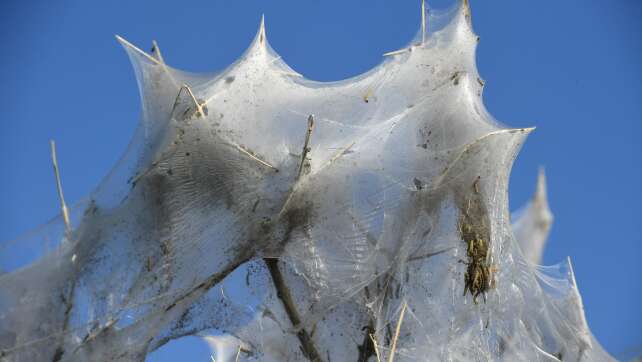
(475, 232)
(478, 278)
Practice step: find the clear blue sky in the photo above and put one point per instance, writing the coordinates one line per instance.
(572, 68)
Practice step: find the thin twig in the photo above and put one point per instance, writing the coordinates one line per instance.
(391, 357)
(306, 146)
(178, 96)
(262, 30)
(304, 158)
(376, 348)
(292, 74)
(252, 156)
(199, 108)
(138, 50)
(428, 255)
(395, 52)
(338, 154)
(63, 206)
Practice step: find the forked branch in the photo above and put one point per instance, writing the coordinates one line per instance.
(283, 292)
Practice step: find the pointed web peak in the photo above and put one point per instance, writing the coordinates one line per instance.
(465, 9)
(540, 199)
(260, 34)
(454, 19)
(524, 131)
(425, 13)
(259, 44)
(465, 6)
(424, 26)
(457, 18)
(157, 82)
(571, 272)
(156, 52)
(129, 47)
(540, 190)
(260, 50)
(584, 331)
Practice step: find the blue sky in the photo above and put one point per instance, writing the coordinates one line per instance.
(572, 68)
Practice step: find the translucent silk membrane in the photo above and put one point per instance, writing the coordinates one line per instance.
(291, 220)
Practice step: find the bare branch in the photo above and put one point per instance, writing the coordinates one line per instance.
(283, 293)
